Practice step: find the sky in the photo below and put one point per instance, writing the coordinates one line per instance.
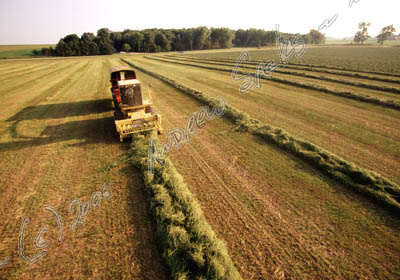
(46, 21)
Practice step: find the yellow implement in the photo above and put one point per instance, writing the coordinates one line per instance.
(130, 126)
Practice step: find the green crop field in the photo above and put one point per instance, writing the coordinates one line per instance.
(295, 179)
(19, 51)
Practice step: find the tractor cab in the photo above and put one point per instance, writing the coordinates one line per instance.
(125, 88)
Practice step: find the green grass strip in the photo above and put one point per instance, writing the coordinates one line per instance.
(359, 97)
(378, 188)
(189, 245)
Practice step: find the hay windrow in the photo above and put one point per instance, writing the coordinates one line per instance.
(189, 246)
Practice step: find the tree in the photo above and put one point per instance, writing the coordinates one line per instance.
(385, 33)
(253, 38)
(241, 38)
(93, 48)
(103, 41)
(200, 35)
(73, 43)
(187, 39)
(117, 41)
(62, 49)
(134, 39)
(177, 41)
(67, 46)
(126, 47)
(221, 38)
(47, 51)
(85, 41)
(225, 38)
(362, 34)
(357, 37)
(88, 37)
(149, 44)
(268, 38)
(316, 37)
(162, 42)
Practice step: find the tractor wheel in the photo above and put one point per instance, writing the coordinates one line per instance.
(151, 110)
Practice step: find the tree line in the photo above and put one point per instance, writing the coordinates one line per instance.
(362, 34)
(161, 40)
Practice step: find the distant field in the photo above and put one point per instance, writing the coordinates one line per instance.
(370, 58)
(371, 41)
(19, 51)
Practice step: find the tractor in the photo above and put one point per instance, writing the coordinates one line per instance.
(132, 114)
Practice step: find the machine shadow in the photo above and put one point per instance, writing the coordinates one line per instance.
(57, 111)
(90, 131)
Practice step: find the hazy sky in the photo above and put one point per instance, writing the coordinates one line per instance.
(46, 21)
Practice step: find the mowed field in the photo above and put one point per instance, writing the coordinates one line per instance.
(279, 215)
(57, 145)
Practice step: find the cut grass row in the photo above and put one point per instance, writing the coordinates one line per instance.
(301, 74)
(371, 184)
(189, 245)
(293, 67)
(363, 98)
